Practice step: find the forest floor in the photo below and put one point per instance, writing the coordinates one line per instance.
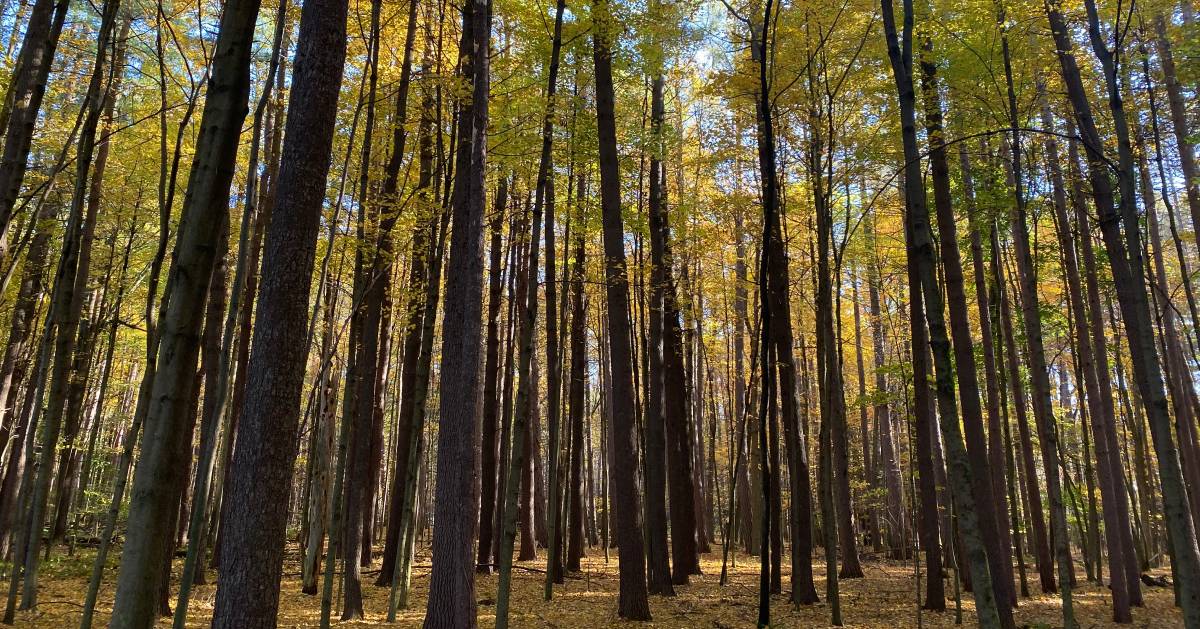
(884, 598)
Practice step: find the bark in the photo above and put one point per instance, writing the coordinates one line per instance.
(655, 417)
(777, 302)
(438, 225)
(24, 101)
(678, 421)
(170, 389)
(1039, 374)
(871, 515)
(632, 603)
(452, 583)
(377, 312)
(515, 271)
(1176, 105)
(991, 522)
(553, 352)
(1099, 404)
(261, 473)
(67, 302)
(15, 366)
(321, 449)
(1122, 240)
(491, 371)
(920, 250)
(89, 330)
(889, 460)
(213, 409)
(577, 412)
(929, 526)
(1033, 496)
(370, 288)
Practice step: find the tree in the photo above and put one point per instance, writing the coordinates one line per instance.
(632, 603)
(452, 583)
(921, 258)
(157, 476)
(252, 548)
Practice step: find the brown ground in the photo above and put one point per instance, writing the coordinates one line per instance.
(885, 598)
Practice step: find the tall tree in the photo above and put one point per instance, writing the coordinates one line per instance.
(452, 582)
(67, 304)
(157, 474)
(23, 102)
(632, 603)
(990, 520)
(252, 547)
(919, 240)
(1120, 228)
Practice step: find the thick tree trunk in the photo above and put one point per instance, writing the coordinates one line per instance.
(261, 473)
(452, 583)
(677, 419)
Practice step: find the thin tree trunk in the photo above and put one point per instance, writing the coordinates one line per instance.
(491, 397)
(632, 603)
(655, 417)
(1125, 256)
(990, 521)
(920, 250)
(577, 405)
(1099, 404)
(67, 301)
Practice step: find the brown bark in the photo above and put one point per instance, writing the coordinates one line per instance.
(452, 583)
(632, 603)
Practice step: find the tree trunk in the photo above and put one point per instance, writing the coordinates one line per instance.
(993, 524)
(920, 250)
(452, 583)
(1177, 106)
(632, 603)
(577, 402)
(261, 473)
(1099, 404)
(491, 371)
(1125, 256)
(889, 460)
(655, 416)
(206, 200)
(24, 102)
(66, 303)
